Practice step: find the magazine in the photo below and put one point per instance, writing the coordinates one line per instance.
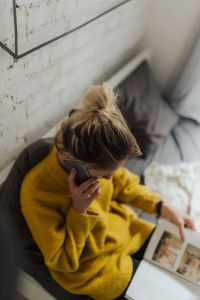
(170, 268)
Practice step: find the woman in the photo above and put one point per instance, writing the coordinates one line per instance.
(86, 233)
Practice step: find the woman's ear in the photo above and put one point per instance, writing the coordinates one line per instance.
(70, 155)
(66, 155)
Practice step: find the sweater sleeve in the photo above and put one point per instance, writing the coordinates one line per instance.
(60, 238)
(127, 189)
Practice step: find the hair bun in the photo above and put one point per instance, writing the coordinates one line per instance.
(103, 112)
(99, 98)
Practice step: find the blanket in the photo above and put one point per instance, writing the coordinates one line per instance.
(179, 184)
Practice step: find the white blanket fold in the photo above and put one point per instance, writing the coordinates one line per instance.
(179, 184)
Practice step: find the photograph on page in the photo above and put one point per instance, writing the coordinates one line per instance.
(189, 266)
(167, 250)
(166, 246)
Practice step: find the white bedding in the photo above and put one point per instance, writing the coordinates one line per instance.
(179, 184)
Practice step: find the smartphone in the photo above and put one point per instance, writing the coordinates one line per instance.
(82, 172)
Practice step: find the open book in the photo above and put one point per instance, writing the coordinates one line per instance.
(170, 268)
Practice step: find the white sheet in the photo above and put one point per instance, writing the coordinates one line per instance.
(179, 184)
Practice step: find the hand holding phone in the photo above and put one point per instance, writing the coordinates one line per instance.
(84, 194)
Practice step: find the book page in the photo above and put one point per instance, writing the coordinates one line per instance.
(167, 250)
(153, 283)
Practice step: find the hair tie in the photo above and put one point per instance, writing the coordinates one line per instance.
(103, 112)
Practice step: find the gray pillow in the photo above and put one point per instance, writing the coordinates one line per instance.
(149, 117)
(185, 97)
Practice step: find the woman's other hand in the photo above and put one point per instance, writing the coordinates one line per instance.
(84, 194)
(178, 218)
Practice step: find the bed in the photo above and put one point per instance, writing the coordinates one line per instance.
(168, 132)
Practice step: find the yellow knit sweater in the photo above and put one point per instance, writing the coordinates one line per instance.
(86, 253)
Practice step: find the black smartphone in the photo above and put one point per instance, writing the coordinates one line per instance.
(82, 172)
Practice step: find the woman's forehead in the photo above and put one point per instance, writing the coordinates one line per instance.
(106, 171)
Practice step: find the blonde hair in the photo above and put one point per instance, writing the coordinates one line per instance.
(96, 132)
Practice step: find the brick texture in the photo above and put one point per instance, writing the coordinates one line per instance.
(39, 89)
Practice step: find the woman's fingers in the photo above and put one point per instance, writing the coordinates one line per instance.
(92, 189)
(181, 229)
(85, 185)
(178, 218)
(83, 194)
(72, 178)
(93, 195)
(189, 223)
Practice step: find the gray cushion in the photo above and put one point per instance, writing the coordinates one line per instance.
(148, 115)
(185, 96)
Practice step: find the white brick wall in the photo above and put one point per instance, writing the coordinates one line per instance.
(37, 17)
(6, 24)
(40, 88)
